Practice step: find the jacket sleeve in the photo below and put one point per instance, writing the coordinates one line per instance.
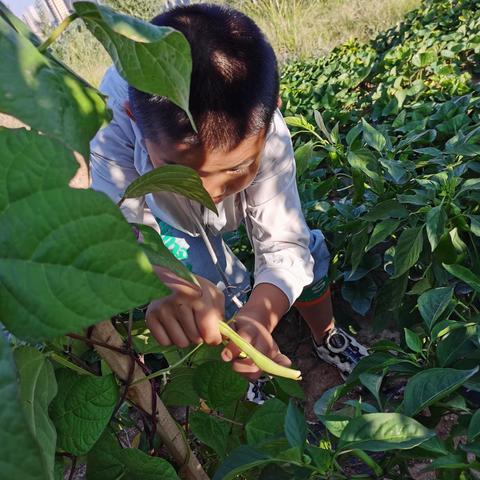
(279, 234)
(112, 151)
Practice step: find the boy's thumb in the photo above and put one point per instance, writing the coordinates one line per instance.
(230, 352)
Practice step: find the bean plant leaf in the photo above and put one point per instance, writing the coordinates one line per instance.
(429, 386)
(377, 432)
(158, 254)
(155, 60)
(211, 431)
(171, 178)
(408, 250)
(82, 409)
(68, 259)
(433, 303)
(109, 461)
(45, 96)
(218, 384)
(20, 454)
(464, 274)
(295, 426)
(266, 422)
(436, 219)
(179, 389)
(38, 388)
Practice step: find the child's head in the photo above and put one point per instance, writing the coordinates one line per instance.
(233, 95)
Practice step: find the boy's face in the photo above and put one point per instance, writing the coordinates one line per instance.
(222, 173)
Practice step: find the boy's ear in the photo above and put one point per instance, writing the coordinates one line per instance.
(279, 102)
(128, 110)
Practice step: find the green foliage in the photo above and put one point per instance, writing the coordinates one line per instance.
(99, 260)
(82, 409)
(152, 59)
(388, 170)
(38, 387)
(44, 95)
(171, 178)
(21, 454)
(109, 461)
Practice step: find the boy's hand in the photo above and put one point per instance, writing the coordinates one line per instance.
(257, 335)
(189, 315)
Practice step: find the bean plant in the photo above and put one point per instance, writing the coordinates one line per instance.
(387, 170)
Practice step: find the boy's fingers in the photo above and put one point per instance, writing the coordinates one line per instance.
(176, 333)
(160, 334)
(179, 284)
(206, 321)
(188, 323)
(282, 359)
(231, 351)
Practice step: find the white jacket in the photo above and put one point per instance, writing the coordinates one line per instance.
(270, 205)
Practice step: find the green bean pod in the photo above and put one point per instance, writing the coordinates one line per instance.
(261, 361)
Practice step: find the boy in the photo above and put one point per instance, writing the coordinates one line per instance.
(243, 154)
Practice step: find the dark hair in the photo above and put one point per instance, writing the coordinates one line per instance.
(234, 83)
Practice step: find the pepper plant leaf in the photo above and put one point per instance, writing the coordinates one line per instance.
(377, 432)
(409, 248)
(429, 386)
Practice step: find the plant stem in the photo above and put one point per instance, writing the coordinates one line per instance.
(57, 32)
(163, 371)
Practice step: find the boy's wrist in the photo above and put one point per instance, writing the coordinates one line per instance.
(267, 304)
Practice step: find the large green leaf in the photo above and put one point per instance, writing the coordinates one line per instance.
(386, 209)
(436, 220)
(21, 456)
(68, 259)
(240, 460)
(295, 426)
(267, 422)
(158, 254)
(429, 386)
(364, 161)
(82, 409)
(44, 95)
(433, 303)
(474, 426)
(373, 137)
(381, 231)
(456, 345)
(153, 59)
(218, 384)
(407, 252)
(464, 274)
(109, 461)
(211, 431)
(38, 388)
(179, 389)
(377, 432)
(171, 178)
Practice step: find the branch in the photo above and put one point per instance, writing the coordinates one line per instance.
(144, 397)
